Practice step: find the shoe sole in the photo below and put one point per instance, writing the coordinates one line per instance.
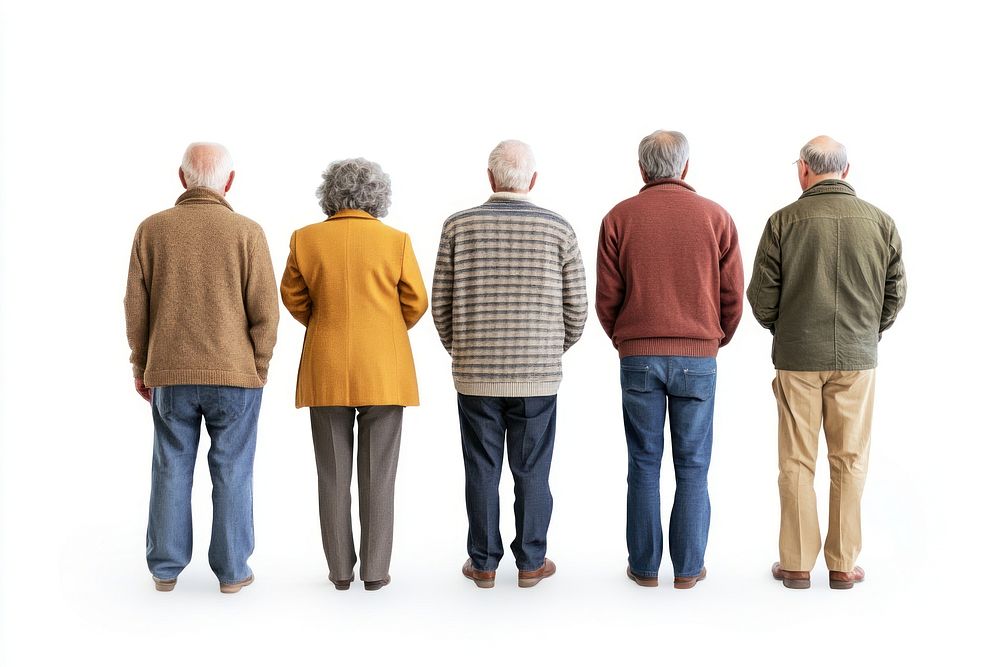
(685, 585)
(645, 584)
(165, 586)
(376, 585)
(533, 581)
(229, 589)
(795, 584)
(843, 585)
(342, 585)
(481, 583)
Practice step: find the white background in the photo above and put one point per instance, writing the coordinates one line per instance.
(100, 98)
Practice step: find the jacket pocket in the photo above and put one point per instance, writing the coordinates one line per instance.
(699, 383)
(635, 378)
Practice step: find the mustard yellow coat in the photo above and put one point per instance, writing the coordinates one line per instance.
(354, 282)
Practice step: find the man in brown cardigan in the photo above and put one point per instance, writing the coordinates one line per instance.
(201, 313)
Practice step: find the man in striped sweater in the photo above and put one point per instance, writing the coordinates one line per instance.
(509, 298)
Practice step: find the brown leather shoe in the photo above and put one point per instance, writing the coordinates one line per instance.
(532, 577)
(790, 578)
(689, 582)
(645, 582)
(341, 584)
(843, 581)
(164, 585)
(482, 578)
(237, 587)
(375, 585)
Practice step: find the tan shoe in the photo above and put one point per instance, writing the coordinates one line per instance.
(532, 577)
(237, 587)
(164, 585)
(482, 578)
(341, 584)
(645, 582)
(689, 582)
(843, 581)
(790, 578)
(375, 585)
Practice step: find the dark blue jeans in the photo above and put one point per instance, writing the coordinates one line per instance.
(230, 415)
(530, 428)
(652, 387)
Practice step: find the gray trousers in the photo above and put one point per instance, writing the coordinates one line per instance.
(379, 431)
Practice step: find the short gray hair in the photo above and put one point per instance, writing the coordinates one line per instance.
(358, 184)
(663, 154)
(823, 155)
(512, 164)
(207, 165)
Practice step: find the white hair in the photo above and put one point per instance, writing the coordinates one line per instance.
(512, 164)
(207, 165)
(823, 155)
(663, 154)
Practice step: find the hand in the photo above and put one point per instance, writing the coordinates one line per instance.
(143, 390)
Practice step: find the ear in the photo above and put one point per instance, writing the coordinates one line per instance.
(493, 182)
(684, 172)
(180, 172)
(532, 184)
(229, 183)
(846, 169)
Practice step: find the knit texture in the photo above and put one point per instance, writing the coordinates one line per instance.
(201, 304)
(509, 297)
(669, 273)
(354, 282)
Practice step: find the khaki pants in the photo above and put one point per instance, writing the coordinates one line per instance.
(840, 401)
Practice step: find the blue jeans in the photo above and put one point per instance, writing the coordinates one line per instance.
(231, 420)
(684, 387)
(530, 428)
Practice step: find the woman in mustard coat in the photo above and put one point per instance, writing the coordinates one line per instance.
(355, 284)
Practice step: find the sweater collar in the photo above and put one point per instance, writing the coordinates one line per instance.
(200, 195)
(509, 196)
(352, 213)
(666, 181)
(830, 186)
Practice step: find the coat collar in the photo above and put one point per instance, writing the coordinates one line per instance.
(509, 196)
(352, 213)
(666, 181)
(202, 196)
(830, 186)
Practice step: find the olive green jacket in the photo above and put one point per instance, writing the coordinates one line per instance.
(827, 280)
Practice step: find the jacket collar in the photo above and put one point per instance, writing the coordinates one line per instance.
(202, 196)
(509, 196)
(666, 181)
(352, 213)
(830, 186)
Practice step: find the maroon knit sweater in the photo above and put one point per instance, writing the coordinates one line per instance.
(669, 273)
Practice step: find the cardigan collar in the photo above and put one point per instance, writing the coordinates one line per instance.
(199, 195)
(667, 181)
(509, 196)
(352, 213)
(830, 186)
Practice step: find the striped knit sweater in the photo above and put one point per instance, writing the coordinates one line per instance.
(509, 297)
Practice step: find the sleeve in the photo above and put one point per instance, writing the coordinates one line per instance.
(412, 293)
(730, 283)
(137, 312)
(610, 282)
(443, 288)
(895, 282)
(574, 293)
(261, 299)
(764, 291)
(294, 291)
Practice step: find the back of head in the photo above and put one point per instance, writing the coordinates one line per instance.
(824, 155)
(663, 154)
(512, 164)
(207, 165)
(355, 184)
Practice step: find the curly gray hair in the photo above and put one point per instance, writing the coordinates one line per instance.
(357, 184)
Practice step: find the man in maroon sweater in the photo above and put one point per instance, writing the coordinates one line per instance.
(669, 295)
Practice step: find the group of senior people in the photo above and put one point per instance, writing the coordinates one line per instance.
(509, 298)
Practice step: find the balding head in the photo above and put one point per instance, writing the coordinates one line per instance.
(663, 154)
(207, 165)
(820, 159)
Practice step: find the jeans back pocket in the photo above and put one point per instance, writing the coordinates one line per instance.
(635, 378)
(699, 383)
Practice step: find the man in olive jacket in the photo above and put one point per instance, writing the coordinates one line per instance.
(827, 281)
